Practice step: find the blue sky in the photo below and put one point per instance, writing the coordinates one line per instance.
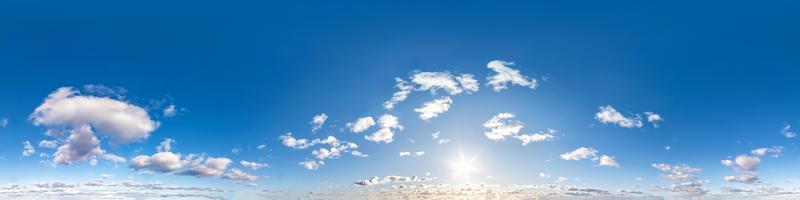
(720, 74)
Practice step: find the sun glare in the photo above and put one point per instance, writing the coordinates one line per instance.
(463, 167)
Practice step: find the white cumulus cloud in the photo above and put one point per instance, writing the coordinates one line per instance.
(433, 108)
(504, 75)
(317, 121)
(84, 117)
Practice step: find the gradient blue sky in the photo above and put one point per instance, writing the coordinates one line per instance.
(722, 74)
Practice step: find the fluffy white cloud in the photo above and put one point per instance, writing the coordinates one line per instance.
(164, 162)
(27, 149)
(653, 118)
(388, 124)
(580, 153)
(253, 165)
(403, 89)
(608, 161)
(501, 126)
(239, 175)
(84, 116)
(608, 114)
(536, 137)
(468, 82)
(261, 147)
(211, 167)
(787, 132)
(50, 144)
(432, 109)
(317, 121)
(435, 136)
(504, 74)
(361, 124)
(433, 81)
(311, 164)
(290, 141)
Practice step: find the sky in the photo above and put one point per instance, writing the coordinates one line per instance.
(414, 99)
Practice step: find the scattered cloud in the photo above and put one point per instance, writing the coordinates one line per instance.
(4, 122)
(317, 121)
(165, 145)
(403, 89)
(504, 75)
(746, 166)
(170, 111)
(787, 132)
(683, 180)
(261, 147)
(411, 154)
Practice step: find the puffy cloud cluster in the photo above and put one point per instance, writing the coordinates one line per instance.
(388, 124)
(391, 179)
(683, 179)
(747, 165)
(361, 124)
(591, 154)
(503, 125)
(433, 82)
(334, 149)
(76, 121)
(504, 75)
(165, 161)
(608, 114)
(317, 121)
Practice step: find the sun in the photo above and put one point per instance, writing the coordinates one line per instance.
(463, 167)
